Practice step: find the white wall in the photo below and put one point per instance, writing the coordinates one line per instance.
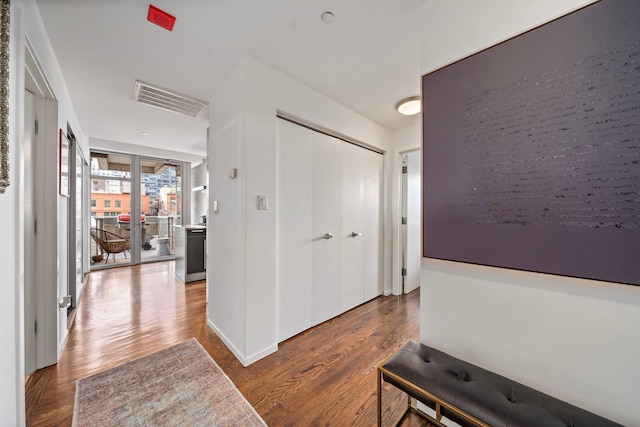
(241, 278)
(578, 340)
(36, 33)
(26, 22)
(11, 294)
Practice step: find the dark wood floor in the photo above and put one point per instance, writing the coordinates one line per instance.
(324, 376)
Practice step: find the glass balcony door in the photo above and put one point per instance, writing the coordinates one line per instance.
(135, 204)
(111, 185)
(161, 205)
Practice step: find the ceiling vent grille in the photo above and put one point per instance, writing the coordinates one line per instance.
(167, 99)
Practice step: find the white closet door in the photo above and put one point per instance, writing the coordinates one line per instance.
(293, 230)
(372, 235)
(326, 221)
(352, 236)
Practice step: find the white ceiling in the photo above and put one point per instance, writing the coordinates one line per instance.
(366, 59)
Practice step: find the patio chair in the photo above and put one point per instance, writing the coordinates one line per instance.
(110, 243)
(124, 233)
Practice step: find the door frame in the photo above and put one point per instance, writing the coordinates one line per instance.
(44, 287)
(396, 218)
(405, 251)
(27, 178)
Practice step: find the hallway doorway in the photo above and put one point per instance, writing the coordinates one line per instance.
(135, 203)
(411, 220)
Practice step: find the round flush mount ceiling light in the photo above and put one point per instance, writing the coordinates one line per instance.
(327, 17)
(409, 106)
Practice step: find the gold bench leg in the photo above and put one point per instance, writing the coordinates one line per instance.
(379, 415)
(379, 398)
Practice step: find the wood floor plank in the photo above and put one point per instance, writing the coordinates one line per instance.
(325, 376)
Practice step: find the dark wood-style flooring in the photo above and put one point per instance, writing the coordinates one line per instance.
(324, 376)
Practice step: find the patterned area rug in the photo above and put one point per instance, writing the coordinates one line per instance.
(178, 386)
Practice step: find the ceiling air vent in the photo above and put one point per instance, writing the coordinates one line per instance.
(167, 99)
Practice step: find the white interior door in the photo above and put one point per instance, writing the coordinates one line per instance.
(352, 236)
(414, 221)
(293, 229)
(326, 190)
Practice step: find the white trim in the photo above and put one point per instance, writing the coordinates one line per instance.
(245, 361)
(227, 342)
(326, 131)
(261, 354)
(34, 68)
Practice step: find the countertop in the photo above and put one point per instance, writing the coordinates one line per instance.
(192, 227)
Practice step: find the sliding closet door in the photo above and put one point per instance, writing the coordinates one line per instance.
(352, 236)
(293, 229)
(326, 192)
(328, 227)
(372, 231)
(361, 232)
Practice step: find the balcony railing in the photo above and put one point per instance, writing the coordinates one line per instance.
(153, 227)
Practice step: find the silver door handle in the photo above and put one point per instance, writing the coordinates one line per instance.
(327, 236)
(355, 234)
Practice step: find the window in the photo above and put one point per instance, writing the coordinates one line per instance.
(118, 203)
(93, 203)
(107, 203)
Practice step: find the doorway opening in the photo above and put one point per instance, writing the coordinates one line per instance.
(411, 220)
(135, 203)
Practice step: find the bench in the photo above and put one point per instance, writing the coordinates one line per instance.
(472, 396)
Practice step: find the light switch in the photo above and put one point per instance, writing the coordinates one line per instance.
(263, 203)
(215, 206)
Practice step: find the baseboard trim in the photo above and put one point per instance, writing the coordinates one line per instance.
(245, 361)
(227, 342)
(261, 354)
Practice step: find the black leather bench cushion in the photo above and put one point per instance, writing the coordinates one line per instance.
(491, 398)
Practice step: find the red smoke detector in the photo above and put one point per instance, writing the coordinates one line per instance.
(161, 18)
